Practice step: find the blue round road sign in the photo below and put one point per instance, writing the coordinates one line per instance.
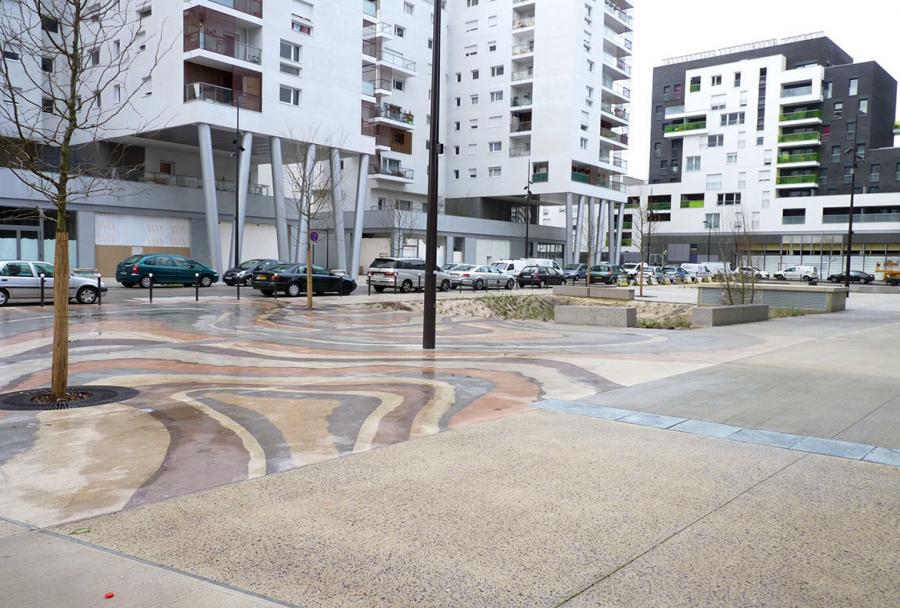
(314, 236)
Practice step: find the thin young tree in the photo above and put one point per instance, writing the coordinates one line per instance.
(61, 61)
(643, 228)
(736, 246)
(401, 220)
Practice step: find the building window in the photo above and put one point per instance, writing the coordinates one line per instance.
(733, 118)
(717, 80)
(657, 149)
(874, 174)
(765, 176)
(760, 141)
(473, 173)
(728, 198)
(408, 8)
(848, 175)
(583, 142)
(835, 154)
(496, 95)
(495, 146)
(838, 110)
(731, 158)
(492, 45)
(827, 90)
(715, 141)
(737, 79)
(854, 86)
(471, 50)
(658, 112)
(289, 95)
(497, 70)
(742, 180)
(714, 181)
(863, 107)
(693, 164)
(473, 99)
(695, 84)
(718, 103)
(851, 131)
(291, 51)
(400, 31)
(473, 123)
(861, 151)
(765, 199)
(793, 216)
(474, 74)
(494, 171)
(712, 221)
(897, 172)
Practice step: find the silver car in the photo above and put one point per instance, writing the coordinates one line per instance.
(20, 281)
(481, 277)
(403, 274)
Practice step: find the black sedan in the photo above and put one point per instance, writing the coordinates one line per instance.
(856, 276)
(290, 279)
(540, 276)
(244, 273)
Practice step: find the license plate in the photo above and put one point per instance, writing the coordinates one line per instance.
(262, 277)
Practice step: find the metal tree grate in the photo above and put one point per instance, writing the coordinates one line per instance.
(77, 397)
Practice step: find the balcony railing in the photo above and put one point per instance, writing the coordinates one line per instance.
(250, 7)
(397, 115)
(618, 13)
(793, 219)
(523, 49)
(684, 126)
(368, 88)
(538, 178)
(615, 161)
(519, 151)
(608, 134)
(520, 127)
(616, 88)
(517, 101)
(798, 158)
(393, 171)
(618, 63)
(522, 22)
(203, 91)
(139, 175)
(796, 92)
(861, 217)
(659, 206)
(371, 49)
(804, 115)
(695, 204)
(522, 75)
(583, 178)
(808, 178)
(804, 136)
(222, 46)
(616, 110)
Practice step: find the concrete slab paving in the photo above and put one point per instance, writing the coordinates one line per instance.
(822, 532)
(710, 429)
(8, 529)
(830, 447)
(884, 456)
(515, 512)
(40, 570)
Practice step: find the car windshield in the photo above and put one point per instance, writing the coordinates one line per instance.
(248, 264)
(462, 267)
(383, 263)
(283, 268)
(600, 268)
(572, 267)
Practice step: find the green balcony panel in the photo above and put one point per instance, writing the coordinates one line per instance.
(806, 136)
(798, 158)
(685, 126)
(660, 206)
(798, 179)
(580, 177)
(692, 204)
(804, 115)
(540, 177)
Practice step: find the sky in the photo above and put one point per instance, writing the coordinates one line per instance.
(868, 30)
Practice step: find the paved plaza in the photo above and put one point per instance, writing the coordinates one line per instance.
(278, 457)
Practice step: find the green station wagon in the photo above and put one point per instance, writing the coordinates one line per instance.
(166, 268)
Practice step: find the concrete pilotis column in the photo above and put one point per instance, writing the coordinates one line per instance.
(580, 222)
(592, 230)
(611, 237)
(337, 199)
(619, 226)
(570, 245)
(362, 194)
(208, 176)
(281, 225)
(243, 184)
(601, 227)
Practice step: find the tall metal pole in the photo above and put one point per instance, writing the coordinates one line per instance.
(528, 218)
(850, 221)
(434, 149)
(237, 177)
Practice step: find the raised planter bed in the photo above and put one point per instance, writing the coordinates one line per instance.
(814, 298)
(603, 316)
(716, 316)
(595, 291)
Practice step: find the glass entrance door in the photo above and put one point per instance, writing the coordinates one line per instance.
(19, 243)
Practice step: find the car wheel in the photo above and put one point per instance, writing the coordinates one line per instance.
(4, 297)
(758, 277)
(144, 282)
(346, 289)
(805, 278)
(406, 286)
(267, 292)
(86, 295)
(247, 281)
(379, 289)
(293, 290)
(445, 285)
(510, 284)
(478, 285)
(542, 284)
(206, 281)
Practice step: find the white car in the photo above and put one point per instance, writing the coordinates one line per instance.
(754, 272)
(20, 281)
(797, 273)
(480, 277)
(697, 271)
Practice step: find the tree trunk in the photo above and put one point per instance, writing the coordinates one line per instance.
(309, 276)
(60, 365)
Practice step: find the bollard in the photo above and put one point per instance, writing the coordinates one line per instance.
(196, 287)
(395, 282)
(275, 291)
(42, 289)
(369, 283)
(151, 287)
(419, 281)
(99, 292)
(237, 284)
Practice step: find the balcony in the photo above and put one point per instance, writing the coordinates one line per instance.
(807, 180)
(616, 162)
(796, 92)
(682, 127)
(693, 204)
(391, 172)
(521, 101)
(138, 174)
(370, 9)
(811, 158)
(203, 91)
(523, 22)
(861, 217)
(221, 45)
(518, 151)
(620, 93)
(661, 206)
(620, 15)
(617, 63)
(520, 75)
(523, 49)
(249, 7)
(522, 126)
(540, 178)
(793, 219)
(396, 61)
(800, 139)
(394, 116)
(804, 116)
(619, 112)
(619, 138)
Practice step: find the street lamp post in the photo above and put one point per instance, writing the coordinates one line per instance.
(850, 218)
(528, 215)
(707, 223)
(434, 149)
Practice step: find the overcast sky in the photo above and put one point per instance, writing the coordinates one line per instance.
(869, 30)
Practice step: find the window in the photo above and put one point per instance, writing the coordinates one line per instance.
(400, 31)
(712, 221)
(287, 68)
(471, 50)
(47, 105)
(657, 149)
(471, 2)
(874, 173)
(863, 107)
(714, 181)
(472, 149)
(793, 216)
(835, 154)
(289, 95)
(49, 24)
(495, 146)
(301, 25)
(733, 118)
(497, 70)
(47, 64)
(765, 199)
(695, 84)
(731, 158)
(583, 143)
(456, 174)
(851, 131)
(717, 80)
(492, 46)
(496, 95)
(715, 141)
(737, 79)
(474, 74)
(827, 90)
(742, 179)
(743, 99)
(144, 12)
(728, 198)
(456, 125)
(838, 110)
(848, 175)
(399, 85)
(11, 53)
(117, 93)
(408, 8)
(658, 112)
(492, 22)
(291, 51)
(765, 176)
(742, 139)
(854, 86)
(459, 77)
(693, 164)
(861, 151)
(473, 173)
(494, 171)
(473, 123)
(897, 172)
(473, 100)
(472, 26)
(767, 158)
(717, 103)
(457, 101)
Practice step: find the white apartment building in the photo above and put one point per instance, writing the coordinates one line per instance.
(344, 85)
(764, 136)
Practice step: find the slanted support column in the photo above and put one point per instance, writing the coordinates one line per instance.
(242, 184)
(611, 245)
(619, 225)
(337, 198)
(592, 230)
(580, 222)
(303, 226)
(362, 193)
(281, 224)
(567, 257)
(601, 227)
(207, 171)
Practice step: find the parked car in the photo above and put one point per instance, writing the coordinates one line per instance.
(20, 281)
(697, 271)
(511, 267)
(403, 274)
(754, 272)
(605, 273)
(480, 277)
(797, 273)
(575, 272)
(244, 273)
(449, 267)
(632, 269)
(166, 268)
(291, 280)
(541, 262)
(675, 273)
(541, 276)
(856, 276)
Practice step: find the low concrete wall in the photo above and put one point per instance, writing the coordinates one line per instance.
(608, 292)
(715, 316)
(874, 289)
(604, 316)
(815, 298)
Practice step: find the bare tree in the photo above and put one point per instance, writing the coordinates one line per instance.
(401, 219)
(63, 74)
(643, 228)
(736, 245)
